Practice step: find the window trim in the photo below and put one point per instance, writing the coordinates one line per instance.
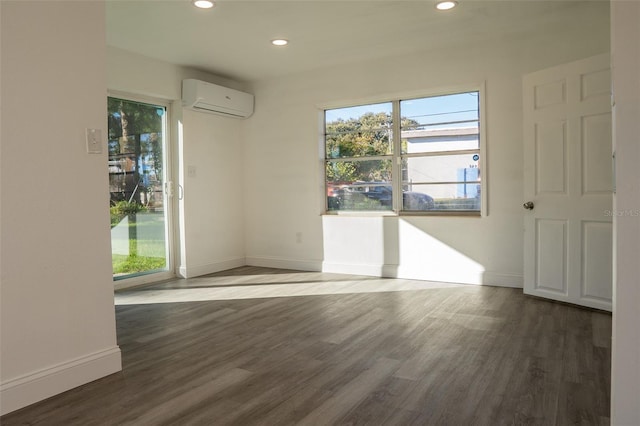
(397, 155)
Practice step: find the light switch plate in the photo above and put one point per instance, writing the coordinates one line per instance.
(94, 141)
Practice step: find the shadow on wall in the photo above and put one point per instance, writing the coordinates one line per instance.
(400, 247)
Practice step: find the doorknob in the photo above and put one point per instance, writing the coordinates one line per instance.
(528, 205)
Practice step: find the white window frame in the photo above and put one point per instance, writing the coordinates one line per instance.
(397, 156)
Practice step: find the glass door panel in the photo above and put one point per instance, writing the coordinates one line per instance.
(137, 167)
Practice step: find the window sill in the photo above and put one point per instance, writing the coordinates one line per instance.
(453, 213)
(459, 213)
(354, 213)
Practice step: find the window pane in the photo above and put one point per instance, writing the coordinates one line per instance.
(358, 131)
(442, 111)
(440, 123)
(437, 140)
(441, 168)
(458, 196)
(417, 201)
(350, 172)
(136, 176)
(360, 196)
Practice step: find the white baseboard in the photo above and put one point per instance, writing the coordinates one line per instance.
(210, 268)
(368, 269)
(464, 277)
(498, 279)
(283, 263)
(31, 388)
(404, 272)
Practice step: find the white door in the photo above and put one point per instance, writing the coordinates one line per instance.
(568, 183)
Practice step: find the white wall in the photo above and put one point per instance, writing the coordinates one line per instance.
(212, 209)
(57, 313)
(284, 178)
(211, 218)
(625, 383)
(132, 73)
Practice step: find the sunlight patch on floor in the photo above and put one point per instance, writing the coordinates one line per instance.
(267, 286)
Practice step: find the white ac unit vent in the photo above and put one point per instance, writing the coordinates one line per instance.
(207, 97)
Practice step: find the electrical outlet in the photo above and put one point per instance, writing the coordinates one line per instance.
(191, 171)
(298, 237)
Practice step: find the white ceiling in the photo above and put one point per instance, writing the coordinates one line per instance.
(233, 39)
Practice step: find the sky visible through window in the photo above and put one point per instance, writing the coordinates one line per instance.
(357, 111)
(431, 110)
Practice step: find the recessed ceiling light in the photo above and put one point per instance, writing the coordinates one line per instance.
(203, 4)
(446, 5)
(279, 42)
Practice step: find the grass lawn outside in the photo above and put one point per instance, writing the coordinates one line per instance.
(138, 244)
(125, 265)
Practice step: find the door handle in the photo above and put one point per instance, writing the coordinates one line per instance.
(528, 205)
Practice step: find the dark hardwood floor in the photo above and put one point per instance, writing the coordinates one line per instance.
(255, 346)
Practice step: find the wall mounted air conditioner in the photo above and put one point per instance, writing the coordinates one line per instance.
(207, 97)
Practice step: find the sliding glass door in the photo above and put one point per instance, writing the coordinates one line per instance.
(140, 242)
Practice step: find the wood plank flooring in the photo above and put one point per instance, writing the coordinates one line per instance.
(256, 346)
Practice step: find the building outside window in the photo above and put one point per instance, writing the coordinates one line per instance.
(433, 167)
